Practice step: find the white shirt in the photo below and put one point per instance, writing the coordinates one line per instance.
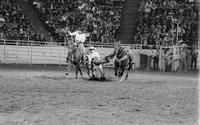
(93, 55)
(79, 36)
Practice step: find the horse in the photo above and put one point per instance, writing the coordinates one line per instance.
(122, 62)
(92, 64)
(75, 56)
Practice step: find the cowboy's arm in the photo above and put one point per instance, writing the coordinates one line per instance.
(72, 34)
(111, 55)
(122, 58)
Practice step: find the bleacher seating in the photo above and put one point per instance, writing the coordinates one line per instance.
(14, 24)
(166, 22)
(101, 18)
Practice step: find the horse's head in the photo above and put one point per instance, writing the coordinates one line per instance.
(117, 45)
(121, 52)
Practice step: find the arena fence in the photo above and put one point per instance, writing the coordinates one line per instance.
(39, 52)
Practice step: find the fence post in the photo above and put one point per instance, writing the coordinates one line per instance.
(16, 52)
(51, 46)
(65, 40)
(31, 52)
(60, 49)
(28, 46)
(160, 62)
(177, 33)
(4, 51)
(44, 54)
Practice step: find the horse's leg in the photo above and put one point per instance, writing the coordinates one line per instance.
(126, 77)
(76, 71)
(129, 68)
(126, 73)
(123, 77)
(121, 74)
(79, 68)
(93, 72)
(102, 74)
(116, 69)
(88, 71)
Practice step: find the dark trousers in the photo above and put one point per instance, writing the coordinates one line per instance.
(155, 62)
(194, 61)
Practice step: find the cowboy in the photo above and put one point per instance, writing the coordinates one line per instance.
(156, 59)
(80, 38)
(183, 59)
(93, 55)
(129, 53)
(194, 58)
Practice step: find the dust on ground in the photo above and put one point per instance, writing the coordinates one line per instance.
(48, 97)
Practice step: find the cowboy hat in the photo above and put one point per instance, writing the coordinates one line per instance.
(92, 48)
(184, 45)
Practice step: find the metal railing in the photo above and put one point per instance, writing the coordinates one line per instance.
(32, 52)
(40, 52)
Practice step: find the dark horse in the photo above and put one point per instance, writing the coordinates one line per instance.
(75, 56)
(122, 62)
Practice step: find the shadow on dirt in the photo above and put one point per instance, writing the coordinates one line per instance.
(107, 79)
(51, 78)
(63, 78)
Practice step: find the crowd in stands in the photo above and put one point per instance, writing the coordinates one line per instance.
(101, 18)
(167, 22)
(14, 25)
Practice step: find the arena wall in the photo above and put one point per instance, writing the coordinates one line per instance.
(52, 55)
(45, 54)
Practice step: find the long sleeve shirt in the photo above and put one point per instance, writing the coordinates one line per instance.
(79, 36)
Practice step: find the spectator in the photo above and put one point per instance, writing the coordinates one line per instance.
(100, 18)
(183, 61)
(176, 18)
(15, 24)
(194, 58)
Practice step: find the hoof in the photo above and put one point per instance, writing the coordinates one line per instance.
(121, 80)
(93, 76)
(103, 78)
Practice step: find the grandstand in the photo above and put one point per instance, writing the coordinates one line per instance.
(164, 24)
(158, 38)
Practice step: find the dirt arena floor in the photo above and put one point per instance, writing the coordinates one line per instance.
(45, 96)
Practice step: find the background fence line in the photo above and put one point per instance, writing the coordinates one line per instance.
(39, 52)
